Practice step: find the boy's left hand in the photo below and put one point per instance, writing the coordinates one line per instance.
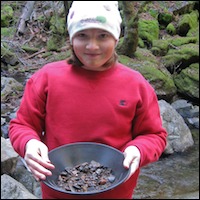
(132, 159)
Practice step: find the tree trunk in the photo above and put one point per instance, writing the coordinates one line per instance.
(67, 5)
(27, 11)
(130, 41)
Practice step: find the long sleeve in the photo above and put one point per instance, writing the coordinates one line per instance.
(29, 123)
(148, 133)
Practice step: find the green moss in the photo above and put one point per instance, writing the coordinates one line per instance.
(184, 53)
(121, 39)
(8, 31)
(192, 72)
(142, 53)
(162, 45)
(51, 44)
(55, 42)
(57, 25)
(187, 81)
(194, 32)
(124, 59)
(187, 50)
(29, 49)
(190, 20)
(156, 51)
(171, 29)
(148, 30)
(63, 55)
(170, 61)
(179, 41)
(165, 18)
(141, 43)
(194, 19)
(6, 15)
(41, 18)
(153, 13)
(47, 54)
(5, 51)
(159, 78)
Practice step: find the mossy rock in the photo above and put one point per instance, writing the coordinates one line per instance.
(7, 56)
(57, 25)
(182, 56)
(159, 78)
(148, 30)
(55, 42)
(60, 55)
(187, 82)
(160, 47)
(142, 53)
(8, 31)
(194, 32)
(6, 15)
(187, 22)
(179, 41)
(165, 18)
(171, 29)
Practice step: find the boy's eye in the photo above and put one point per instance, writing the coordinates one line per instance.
(81, 35)
(103, 35)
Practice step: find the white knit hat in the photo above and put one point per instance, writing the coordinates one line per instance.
(94, 14)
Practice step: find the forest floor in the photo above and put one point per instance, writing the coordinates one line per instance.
(37, 34)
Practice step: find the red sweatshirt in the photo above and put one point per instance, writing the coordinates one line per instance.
(64, 104)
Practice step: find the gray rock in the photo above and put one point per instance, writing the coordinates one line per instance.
(8, 157)
(12, 189)
(179, 135)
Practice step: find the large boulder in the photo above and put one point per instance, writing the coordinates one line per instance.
(179, 135)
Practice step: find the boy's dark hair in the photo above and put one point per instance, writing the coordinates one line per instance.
(73, 60)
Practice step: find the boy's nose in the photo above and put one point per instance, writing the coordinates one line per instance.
(92, 44)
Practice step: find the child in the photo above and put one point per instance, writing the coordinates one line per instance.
(91, 97)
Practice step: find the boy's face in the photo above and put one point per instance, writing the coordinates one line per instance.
(94, 47)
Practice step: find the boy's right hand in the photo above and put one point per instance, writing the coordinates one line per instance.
(37, 160)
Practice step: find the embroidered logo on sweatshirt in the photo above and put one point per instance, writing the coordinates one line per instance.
(122, 102)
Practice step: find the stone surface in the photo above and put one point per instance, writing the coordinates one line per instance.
(12, 189)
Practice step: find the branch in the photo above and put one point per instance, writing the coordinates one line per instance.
(27, 11)
(35, 54)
